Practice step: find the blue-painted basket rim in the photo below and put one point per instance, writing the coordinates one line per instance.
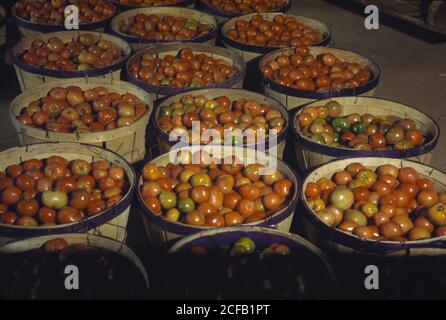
(119, 65)
(203, 5)
(184, 229)
(169, 91)
(322, 94)
(68, 74)
(12, 231)
(59, 27)
(133, 39)
(348, 152)
(325, 41)
(125, 7)
(280, 137)
(366, 246)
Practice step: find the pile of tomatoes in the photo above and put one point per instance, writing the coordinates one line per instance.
(283, 30)
(301, 70)
(58, 191)
(72, 109)
(247, 6)
(81, 54)
(164, 27)
(220, 113)
(383, 204)
(148, 2)
(325, 125)
(52, 12)
(185, 70)
(213, 195)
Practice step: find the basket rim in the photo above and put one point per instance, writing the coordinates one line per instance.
(80, 135)
(87, 223)
(346, 152)
(135, 39)
(287, 209)
(321, 94)
(45, 27)
(204, 5)
(355, 242)
(135, 6)
(176, 47)
(118, 65)
(279, 106)
(265, 49)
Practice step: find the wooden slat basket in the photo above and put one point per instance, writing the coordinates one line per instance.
(28, 29)
(342, 242)
(292, 98)
(250, 52)
(111, 223)
(214, 239)
(138, 43)
(160, 230)
(129, 142)
(311, 154)
(30, 76)
(276, 149)
(79, 238)
(158, 92)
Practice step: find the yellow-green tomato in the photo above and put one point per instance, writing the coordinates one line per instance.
(173, 215)
(369, 209)
(200, 179)
(168, 200)
(355, 216)
(327, 217)
(342, 198)
(334, 109)
(246, 243)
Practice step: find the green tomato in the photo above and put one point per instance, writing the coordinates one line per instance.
(342, 198)
(185, 205)
(355, 216)
(191, 24)
(189, 107)
(166, 111)
(316, 128)
(165, 82)
(177, 112)
(246, 243)
(195, 84)
(318, 138)
(211, 104)
(173, 215)
(334, 108)
(168, 200)
(403, 145)
(340, 125)
(384, 126)
(320, 121)
(363, 146)
(358, 127)
(200, 179)
(336, 137)
(369, 209)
